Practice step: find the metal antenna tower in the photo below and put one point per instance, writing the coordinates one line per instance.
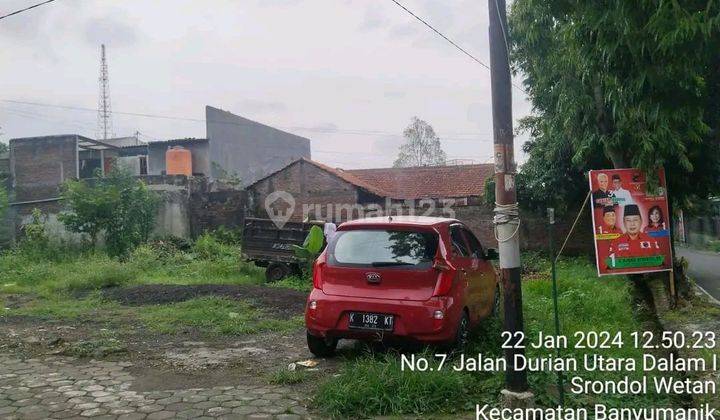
(104, 110)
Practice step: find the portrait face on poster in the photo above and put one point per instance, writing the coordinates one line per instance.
(631, 226)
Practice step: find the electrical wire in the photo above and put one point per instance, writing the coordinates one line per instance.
(478, 136)
(453, 43)
(25, 9)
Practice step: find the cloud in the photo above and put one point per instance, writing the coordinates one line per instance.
(478, 113)
(110, 30)
(328, 127)
(373, 19)
(387, 145)
(394, 94)
(255, 106)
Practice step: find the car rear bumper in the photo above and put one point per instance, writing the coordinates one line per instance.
(412, 319)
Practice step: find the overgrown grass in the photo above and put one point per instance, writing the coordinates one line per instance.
(65, 283)
(77, 271)
(371, 385)
(294, 282)
(213, 315)
(288, 377)
(64, 307)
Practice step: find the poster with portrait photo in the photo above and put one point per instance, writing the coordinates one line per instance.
(631, 226)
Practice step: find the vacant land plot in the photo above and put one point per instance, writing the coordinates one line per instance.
(162, 333)
(169, 333)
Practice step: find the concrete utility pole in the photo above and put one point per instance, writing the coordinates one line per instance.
(507, 217)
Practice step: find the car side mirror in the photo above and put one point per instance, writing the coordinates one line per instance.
(491, 254)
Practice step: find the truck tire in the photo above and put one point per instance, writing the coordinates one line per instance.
(276, 271)
(321, 347)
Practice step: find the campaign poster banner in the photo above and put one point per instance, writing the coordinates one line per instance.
(631, 227)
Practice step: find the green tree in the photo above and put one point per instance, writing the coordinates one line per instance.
(627, 84)
(421, 147)
(117, 205)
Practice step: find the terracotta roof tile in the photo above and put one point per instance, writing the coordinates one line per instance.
(427, 181)
(413, 183)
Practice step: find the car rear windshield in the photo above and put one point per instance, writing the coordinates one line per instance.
(383, 248)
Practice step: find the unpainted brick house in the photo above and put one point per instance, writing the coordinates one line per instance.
(323, 193)
(320, 192)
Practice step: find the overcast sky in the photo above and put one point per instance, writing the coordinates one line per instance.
(347, 74)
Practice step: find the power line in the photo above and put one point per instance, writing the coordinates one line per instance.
(26, 9)
(478, 136)
(441, 34)
(453, 43)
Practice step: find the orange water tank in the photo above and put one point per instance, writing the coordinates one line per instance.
(178, 161)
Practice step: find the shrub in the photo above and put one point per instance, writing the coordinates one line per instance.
(228, 236)
(145, 257)
(35, 243)
(208, 247)
(118, 205)
(100, 274)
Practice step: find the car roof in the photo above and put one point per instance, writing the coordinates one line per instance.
(398, 221)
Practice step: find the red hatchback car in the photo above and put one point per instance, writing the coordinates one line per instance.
(425, 279)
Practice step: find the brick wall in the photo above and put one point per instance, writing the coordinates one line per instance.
(210, 210)
(308, 184)
(39, 165)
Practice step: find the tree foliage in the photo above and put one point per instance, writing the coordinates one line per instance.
(421, 147)
(118, 205)
(627, 84)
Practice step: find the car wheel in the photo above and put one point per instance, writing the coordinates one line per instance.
(276, 271)
(321, 347)
(463, 331)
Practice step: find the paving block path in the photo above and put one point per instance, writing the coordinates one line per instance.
(62, 387)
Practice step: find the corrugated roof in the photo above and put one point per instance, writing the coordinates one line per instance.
(124, 142)
(178, 141)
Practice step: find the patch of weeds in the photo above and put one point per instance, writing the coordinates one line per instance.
(98, 275)
(95, 348)
(294, 282)
(281, 325)
(212, 315)
(375, 385)
(208, 262)
(208, 247)
(696, 309)
(64, 307)
(288, 377)
(534, 264)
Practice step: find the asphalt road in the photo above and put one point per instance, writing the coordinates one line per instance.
(704, 267)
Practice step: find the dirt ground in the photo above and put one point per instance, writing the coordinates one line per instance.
(189, 359)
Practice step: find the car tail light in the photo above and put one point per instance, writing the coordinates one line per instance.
(317, 272)
(445, 277)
